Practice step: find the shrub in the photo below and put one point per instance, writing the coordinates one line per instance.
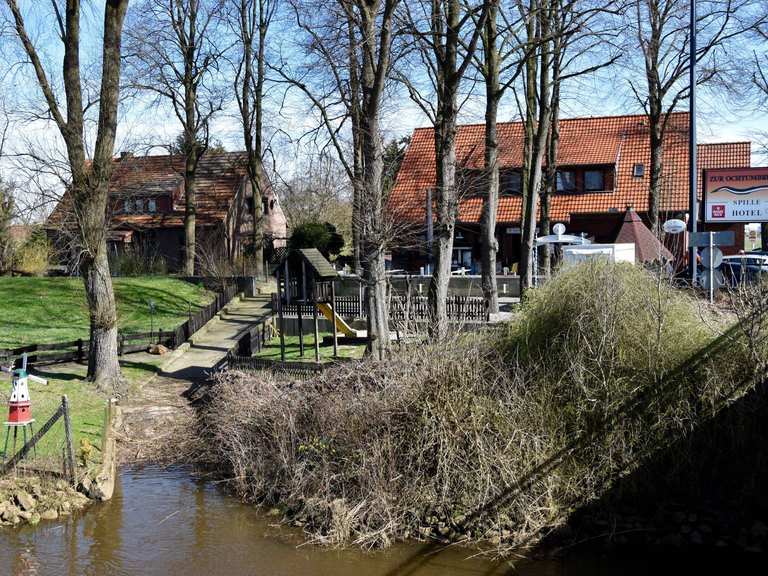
(491, 435)
(34, 255)
(320, 235)
(137, 263)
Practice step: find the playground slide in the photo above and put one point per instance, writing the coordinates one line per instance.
(341, 326)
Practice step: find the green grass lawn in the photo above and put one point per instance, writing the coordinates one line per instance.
(87, 405)
(272, 350)
(43, 310)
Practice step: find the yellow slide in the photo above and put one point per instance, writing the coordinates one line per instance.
(341, 326)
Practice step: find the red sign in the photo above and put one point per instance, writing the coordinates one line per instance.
(718, 210)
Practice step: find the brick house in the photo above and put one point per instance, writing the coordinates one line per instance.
(146, 207)
(603, 170)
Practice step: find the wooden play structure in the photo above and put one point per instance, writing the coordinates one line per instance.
(306, 279)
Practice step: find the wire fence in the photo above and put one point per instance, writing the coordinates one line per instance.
(47, 445)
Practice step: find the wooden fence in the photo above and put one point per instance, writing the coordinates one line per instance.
(127, 342)
(467, 308)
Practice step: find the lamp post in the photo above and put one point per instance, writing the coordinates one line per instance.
(692, 149)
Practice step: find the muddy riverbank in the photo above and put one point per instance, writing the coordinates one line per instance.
(164, 521)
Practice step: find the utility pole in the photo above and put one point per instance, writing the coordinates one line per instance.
(692, 149)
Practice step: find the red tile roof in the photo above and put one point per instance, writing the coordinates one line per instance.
(219, 175)
(647, 246)
(621, 141)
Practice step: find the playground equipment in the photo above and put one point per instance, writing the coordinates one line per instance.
(339, 322)
(19, 405)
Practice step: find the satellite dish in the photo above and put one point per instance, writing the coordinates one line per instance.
(559, 229)
(674, 226)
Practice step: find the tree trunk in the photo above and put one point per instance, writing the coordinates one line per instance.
(489, 244)
(550, 184)
(445, 224)
(190, 214)
(531, 67)
(654, 191)
(527, 263)
(372, 199)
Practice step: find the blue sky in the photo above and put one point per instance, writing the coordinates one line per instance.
(720, 119)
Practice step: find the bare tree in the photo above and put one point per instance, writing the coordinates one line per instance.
(537, 133)
(661, 38)
(356, 44)
(174, 53)
(446, 35)
(89, 179)
(252, 21)
(330, 79)
(503, 56)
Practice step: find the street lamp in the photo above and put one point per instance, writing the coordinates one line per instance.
(692, 149)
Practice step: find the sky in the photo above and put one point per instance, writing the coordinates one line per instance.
(143, 125)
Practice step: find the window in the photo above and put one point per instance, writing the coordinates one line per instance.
(152, 205)
(638, 170)
(510, 182)
(593, 180)
(566, 181)
(139, 205)
(128, 206)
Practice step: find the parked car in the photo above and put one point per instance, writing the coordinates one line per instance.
(745, 268)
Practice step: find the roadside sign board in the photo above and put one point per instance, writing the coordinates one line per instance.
(725, 238)
(711, 280)
(736, 195)
(711, 257)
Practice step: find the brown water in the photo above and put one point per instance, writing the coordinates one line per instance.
(165, 522)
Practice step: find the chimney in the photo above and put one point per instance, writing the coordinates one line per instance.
(125, 154)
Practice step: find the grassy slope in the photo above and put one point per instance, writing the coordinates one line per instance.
(86, 403)
(39, 310)
(272, 350)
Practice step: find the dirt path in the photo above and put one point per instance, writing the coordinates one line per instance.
(165, 402)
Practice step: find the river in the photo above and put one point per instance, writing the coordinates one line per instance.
(165, 522)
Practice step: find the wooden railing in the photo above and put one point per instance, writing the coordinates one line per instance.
(460, 308)
(127, 342)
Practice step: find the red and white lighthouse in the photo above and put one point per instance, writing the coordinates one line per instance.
(19, 405)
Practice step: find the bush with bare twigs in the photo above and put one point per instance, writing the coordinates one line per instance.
(495, 435)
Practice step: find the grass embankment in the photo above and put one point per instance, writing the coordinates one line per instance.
(87, 404)
(491, 436)
(271, 351)
(43, 310)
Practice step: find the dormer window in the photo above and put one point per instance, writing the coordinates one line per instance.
(139, 205)
(152, 205)
(593, 181)
(510, 182)
(566, 181)
(128, 206)
(638, 170)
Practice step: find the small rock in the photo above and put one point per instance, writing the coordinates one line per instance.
(25, 515)
(696, 538)
(158, 349)
(495, 541)
(25, 500)
(49, 514)
(685, 529)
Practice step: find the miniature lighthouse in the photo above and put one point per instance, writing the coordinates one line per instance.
(19, 406)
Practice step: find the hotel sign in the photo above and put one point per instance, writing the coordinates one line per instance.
(736, 195)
